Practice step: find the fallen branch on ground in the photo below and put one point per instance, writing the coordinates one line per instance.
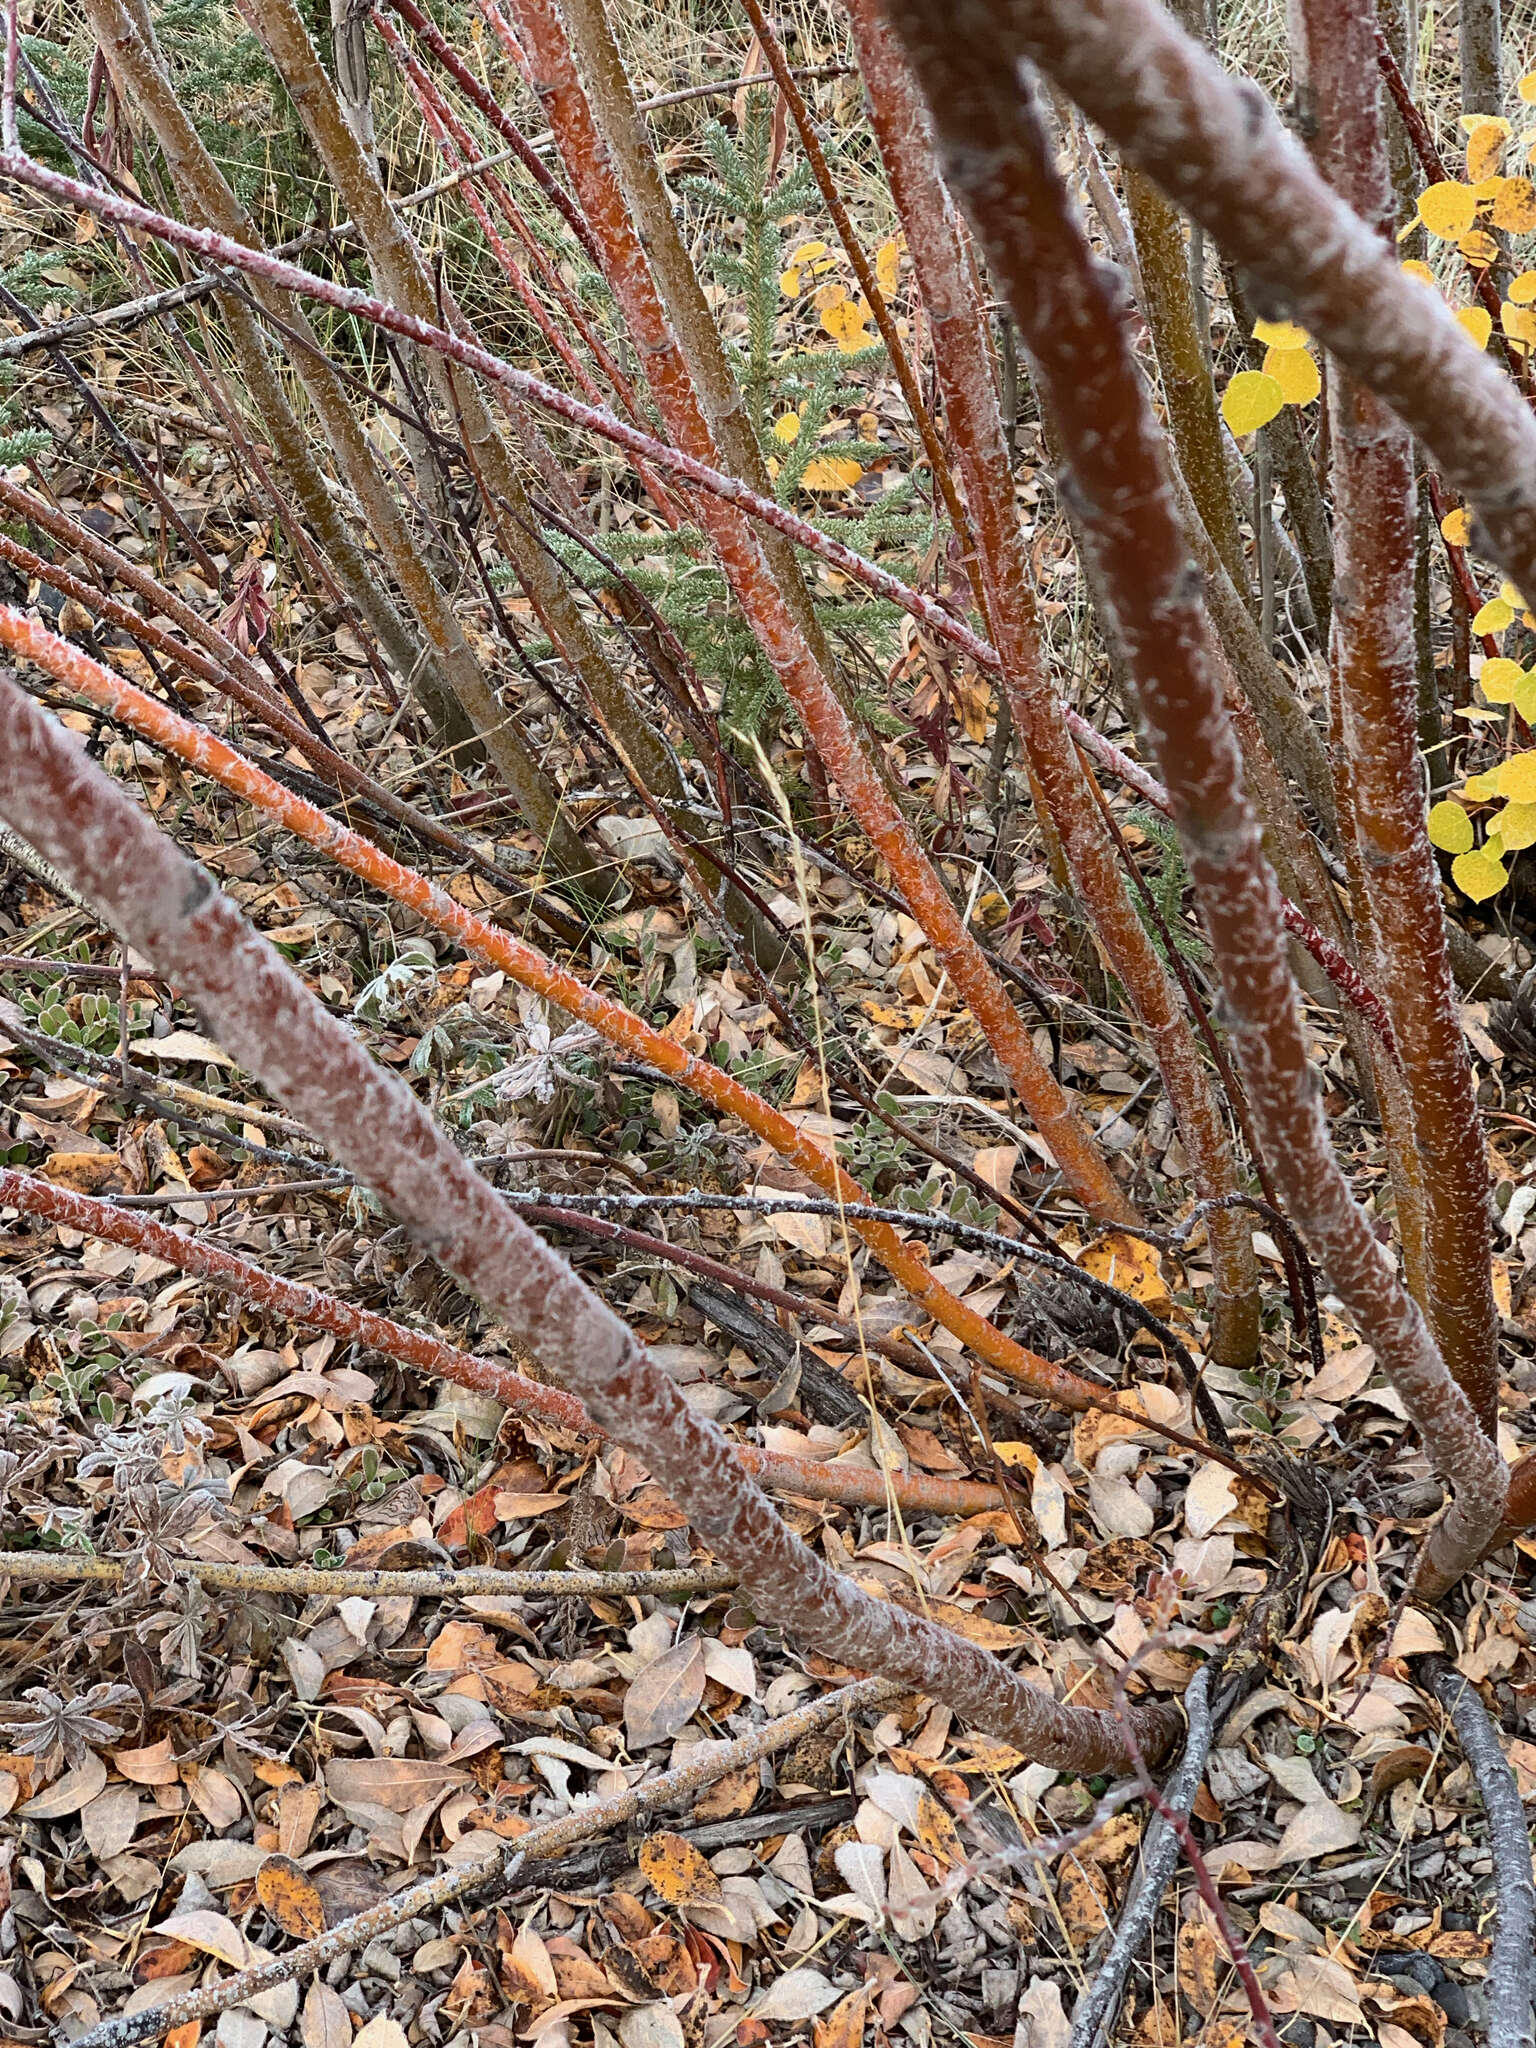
(62, 1567)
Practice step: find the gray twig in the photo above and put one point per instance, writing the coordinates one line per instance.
(1509, 1967)
(1160, 1853)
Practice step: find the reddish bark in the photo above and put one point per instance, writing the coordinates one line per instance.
(914, 1493)
(1216, 145)
(218, 249)
(210, 756)
(1077, 332)
(1374, 672)
(167, 907)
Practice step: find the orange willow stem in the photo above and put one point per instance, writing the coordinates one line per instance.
(966, 54)
(1374, 674)
(962, 359)
(869, 284)
(914, 1493)
(168, 908)
(761, 595)
(458, 150)
(216, 248)
(204, 751)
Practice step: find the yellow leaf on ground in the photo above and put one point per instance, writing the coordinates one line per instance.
(1450, 828)
(1522, 289)
(1250, 399)
(810, 260)
(676, 1871)
(1481, 789)
(1129, 1264)
(786, 427)
(1448, 209)
(1456, 527)
(1281, 334)
(1514, 207)
(845, 322)
(1479, 247)
(1527, 88)
(1518, 322)
(831, 473)
(1478, 875)
(1295, 372)
(1478, 322)
(888, 263)
(291, 1898)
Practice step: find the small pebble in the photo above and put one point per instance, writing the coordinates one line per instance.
(1452, 2000)
(1421, 1970)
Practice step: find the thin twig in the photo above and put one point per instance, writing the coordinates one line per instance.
(65, 1567)
(540, 1845)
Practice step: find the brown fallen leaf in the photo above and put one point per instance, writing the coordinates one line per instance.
(843, 2026)
(86, 1173)
(677, 1873)
(666, 1695)
(291, 1898)
(1197, 1960)
(1084, 1898)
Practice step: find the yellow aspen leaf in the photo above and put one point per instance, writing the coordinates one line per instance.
(810, 260)
(1478, 875)
(1450, 828)
(831, 473)
(1518, 322)
(1499, 678)
(1481, 789)
(786, 428)
(1456, 527)
(1414, 268)
(1522, 289)
(1295, 372)
(1281, 334)
(1448, 209)
(1493, 843)
(1478, 322)
(1467, 122)
(1251, 398)
(1511, 596)
(1514, 209)
(676, 1872)
(888, 264)
(1517, 827)
(1485, 148)
(1524, 699)
(845, 323)
(1479, 248)
(1494, 616)
(1517, 779)
(1527, 88)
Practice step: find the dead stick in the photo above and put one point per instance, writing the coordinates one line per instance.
(63, 1567)
(539, 1845)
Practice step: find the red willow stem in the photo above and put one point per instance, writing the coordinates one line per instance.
(209, 755)
(169, 909)
(966, 54)
(1218, 148)
(780, 633)
(458, 150)
(915, 1493)
(215, 248)
(1373, 666)
(962, 358)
